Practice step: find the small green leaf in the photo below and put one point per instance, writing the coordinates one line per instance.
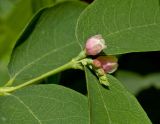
(51, 44)
(47, 104)
(126, 25)
(153, 79)
(113, 105)
(135, 82)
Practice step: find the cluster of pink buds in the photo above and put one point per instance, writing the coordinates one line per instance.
(102, 64)
(108, 63)
(94, 46)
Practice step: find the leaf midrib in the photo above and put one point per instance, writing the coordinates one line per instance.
(101, 98)
(109, 119)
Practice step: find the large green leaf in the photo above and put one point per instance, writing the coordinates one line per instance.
(51, 44)
(126, 25)
(47, 104)
(113, 105)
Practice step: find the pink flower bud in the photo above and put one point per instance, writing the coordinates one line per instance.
(97, 63)
(109, 63)
(95, 45)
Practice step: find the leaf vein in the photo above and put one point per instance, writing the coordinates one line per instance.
(130, 11)
(131, 28)
(38, 59)
(27, 107)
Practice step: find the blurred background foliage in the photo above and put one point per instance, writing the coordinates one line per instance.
(139, 72)
(15, 15)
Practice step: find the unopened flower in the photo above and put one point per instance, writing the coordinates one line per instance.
(97, 63)
(95, 45)
(102, 76)
(104, 80)
(108, 63)
(100, 72)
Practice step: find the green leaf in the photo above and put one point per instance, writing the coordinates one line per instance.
(113, 105)
(47, 104)
(132, 81)
(51, 44)
(153, 79)
(126, 25)
(135, 82)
